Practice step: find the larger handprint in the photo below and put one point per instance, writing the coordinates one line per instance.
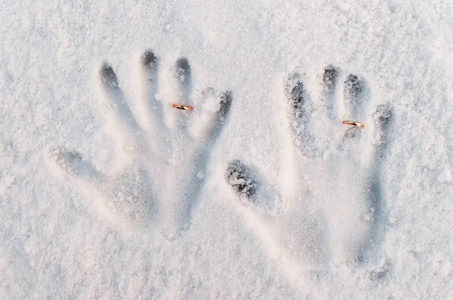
(331, 204)
(163, 159)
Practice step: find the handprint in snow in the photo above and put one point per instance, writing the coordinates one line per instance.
(332, 204)
(164, 155)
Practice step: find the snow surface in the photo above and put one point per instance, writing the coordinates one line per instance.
(72, 227)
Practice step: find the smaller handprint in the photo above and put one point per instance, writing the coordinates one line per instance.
(164, 150)
(331, 204)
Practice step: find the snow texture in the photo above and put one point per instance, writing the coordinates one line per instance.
(260, 191)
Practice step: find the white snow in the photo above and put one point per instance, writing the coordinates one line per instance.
(445, 176)
(92, 207)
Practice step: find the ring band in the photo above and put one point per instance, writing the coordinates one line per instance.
(354, 123)
(183, 107)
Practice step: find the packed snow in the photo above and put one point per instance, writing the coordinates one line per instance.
(258, 189)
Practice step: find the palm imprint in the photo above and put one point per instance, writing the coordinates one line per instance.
(164, 150)
(330, 205)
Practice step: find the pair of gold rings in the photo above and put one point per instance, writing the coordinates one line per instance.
(346, 122)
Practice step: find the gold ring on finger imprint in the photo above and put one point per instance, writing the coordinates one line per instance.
(353, 123)
(183, 107)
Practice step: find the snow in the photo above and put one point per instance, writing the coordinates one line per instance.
(99, 201)
(445, 176)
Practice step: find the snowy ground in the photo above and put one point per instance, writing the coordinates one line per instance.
(95, 202)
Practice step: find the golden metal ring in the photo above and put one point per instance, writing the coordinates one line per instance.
(354, 123)
(183, 107)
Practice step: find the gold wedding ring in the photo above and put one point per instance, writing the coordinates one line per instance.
(354, 123)
(183, 107)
